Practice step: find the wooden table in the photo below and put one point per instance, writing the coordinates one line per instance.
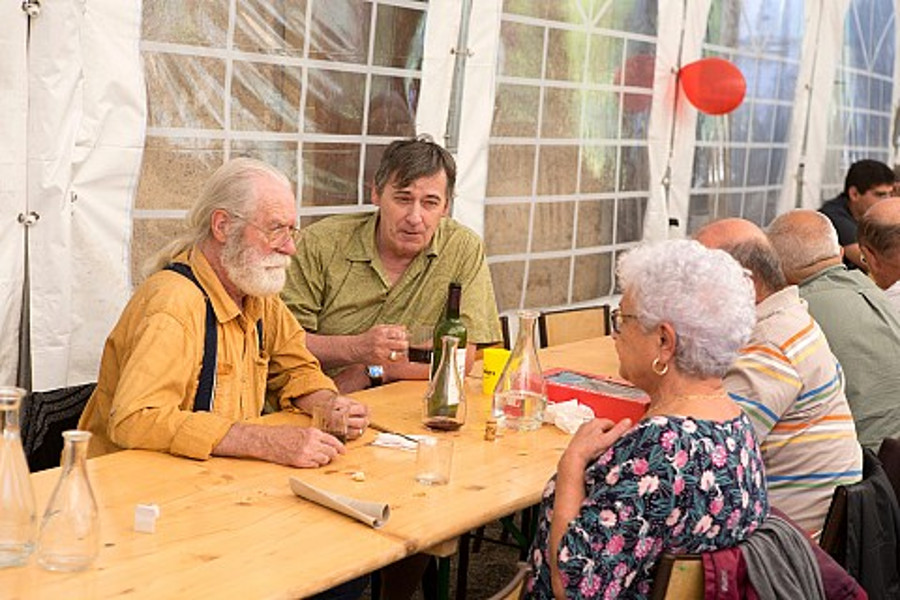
(231, 528)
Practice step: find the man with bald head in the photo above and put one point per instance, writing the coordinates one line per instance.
(879, 241)
(862, 327)
(789, 383)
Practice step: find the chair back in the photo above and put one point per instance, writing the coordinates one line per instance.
(833, 539)
(45, 415)
(862, 530)
(516, 587)
(678, 577)
(572, 325)
(889, 455)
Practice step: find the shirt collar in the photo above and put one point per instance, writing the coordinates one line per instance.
(779, 301)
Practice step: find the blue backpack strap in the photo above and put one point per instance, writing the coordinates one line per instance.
(203, 399)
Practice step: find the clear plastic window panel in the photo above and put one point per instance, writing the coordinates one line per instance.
(316, 87)
(739, 157)
(568, 173)
(860, 119)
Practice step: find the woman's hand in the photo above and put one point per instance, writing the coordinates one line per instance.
(590, 441)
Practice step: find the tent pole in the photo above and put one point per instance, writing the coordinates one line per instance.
(461, 53)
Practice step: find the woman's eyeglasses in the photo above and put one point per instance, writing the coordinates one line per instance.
(617, 317)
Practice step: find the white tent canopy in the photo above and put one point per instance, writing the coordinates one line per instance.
(116, 110)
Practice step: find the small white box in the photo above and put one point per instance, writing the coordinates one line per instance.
(145, 516)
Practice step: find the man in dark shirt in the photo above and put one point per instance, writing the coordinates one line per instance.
(867, 182)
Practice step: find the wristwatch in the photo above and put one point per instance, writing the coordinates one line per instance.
(376, 375)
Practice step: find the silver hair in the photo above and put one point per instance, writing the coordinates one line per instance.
(705, 295)
(232, 188)
(803, 242)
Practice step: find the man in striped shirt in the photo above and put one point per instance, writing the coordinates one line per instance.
(789, 384)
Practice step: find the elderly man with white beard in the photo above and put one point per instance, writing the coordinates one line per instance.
(205, 343)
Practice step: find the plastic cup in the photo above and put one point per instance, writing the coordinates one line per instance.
(331, 418)
(433, 459)
(494, 361)
(420, 343)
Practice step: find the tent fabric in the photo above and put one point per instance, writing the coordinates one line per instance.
(75, 117)
(13, 128)
(85, 142)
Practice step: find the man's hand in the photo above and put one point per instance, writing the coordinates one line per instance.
(382, 344)
(282, 444)
(358, 415)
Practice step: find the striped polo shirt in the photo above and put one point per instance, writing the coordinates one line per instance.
(792, 388)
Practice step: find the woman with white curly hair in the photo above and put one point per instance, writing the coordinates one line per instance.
(689, 476)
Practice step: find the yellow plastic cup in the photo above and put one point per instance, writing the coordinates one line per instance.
(494, 361)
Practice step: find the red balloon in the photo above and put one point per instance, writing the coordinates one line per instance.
(714, 85)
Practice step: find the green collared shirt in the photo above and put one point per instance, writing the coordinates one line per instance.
(336, 284)
(863, 331)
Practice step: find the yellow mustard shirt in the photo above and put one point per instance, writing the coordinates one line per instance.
(151, 364)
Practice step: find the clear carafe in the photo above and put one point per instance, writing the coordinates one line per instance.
(18, 516)
(445, 401)
(70, 530)
(520, 395)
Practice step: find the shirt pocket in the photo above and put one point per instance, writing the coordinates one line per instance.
(227, 389)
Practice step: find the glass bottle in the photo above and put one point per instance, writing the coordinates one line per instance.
(18, 517)
(451, 324)
(445, 401)
(520, 395)
(70, 530)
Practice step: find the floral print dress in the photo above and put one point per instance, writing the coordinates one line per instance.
(672, 484)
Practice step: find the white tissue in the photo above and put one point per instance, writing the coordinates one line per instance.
(568, 415)
(392, 440)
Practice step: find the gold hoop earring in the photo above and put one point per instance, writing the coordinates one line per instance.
(657, 369)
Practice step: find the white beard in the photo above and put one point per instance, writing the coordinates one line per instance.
(254, 273)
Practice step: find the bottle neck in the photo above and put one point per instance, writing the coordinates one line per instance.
(525, 337)
(9, 417)
(449, 344)
(74, 455)
(453, 300)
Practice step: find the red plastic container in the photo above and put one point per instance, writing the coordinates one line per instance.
(609, 397)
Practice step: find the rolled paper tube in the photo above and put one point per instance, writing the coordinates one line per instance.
(373, 514)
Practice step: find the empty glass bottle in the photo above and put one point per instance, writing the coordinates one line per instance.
(445, 401)
(520, 395)
(18, 518)
(70, 530)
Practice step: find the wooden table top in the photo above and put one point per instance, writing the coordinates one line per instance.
(232, 528)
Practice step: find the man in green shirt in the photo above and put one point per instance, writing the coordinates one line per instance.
(859, 321)
(359, 283)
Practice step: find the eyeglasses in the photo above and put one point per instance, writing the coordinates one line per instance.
(617, 317)
(278, 236)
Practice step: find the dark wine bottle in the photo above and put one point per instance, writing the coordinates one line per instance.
(451, 324)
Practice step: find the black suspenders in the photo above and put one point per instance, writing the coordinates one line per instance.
(203, 399)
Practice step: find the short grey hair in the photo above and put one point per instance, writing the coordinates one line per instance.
(232, 188)
(803, 242)
(704, 294)
(759, 257)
